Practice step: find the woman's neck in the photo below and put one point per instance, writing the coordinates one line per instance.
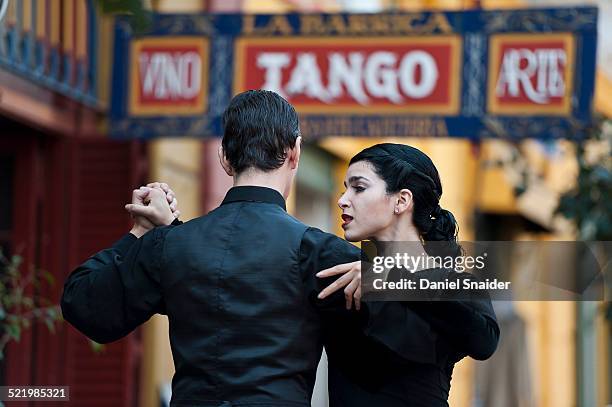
(401, 237)
(400, 231)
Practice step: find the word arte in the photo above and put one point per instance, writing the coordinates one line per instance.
(539, 73)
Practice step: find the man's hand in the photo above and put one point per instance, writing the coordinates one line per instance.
(141, 224)
(152, 206)
(169, 195)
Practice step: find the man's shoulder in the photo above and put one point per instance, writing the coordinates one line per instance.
(184, 227)
(330, 242)
(321, 234)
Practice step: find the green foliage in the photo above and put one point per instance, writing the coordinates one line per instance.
(96, 347)
(141, 17)
(589, 204)
(19, 310)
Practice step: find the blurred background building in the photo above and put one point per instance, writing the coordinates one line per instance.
(63, 183)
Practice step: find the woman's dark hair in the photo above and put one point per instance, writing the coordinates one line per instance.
(259, 127)
(402, 166)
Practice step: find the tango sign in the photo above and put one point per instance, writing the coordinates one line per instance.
(501, 73)
(390, 75)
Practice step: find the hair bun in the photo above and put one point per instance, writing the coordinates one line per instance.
(437, 211)
(444, 230)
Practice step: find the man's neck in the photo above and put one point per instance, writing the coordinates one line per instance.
(259, 179)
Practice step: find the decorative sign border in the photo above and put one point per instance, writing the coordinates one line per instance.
(473, 112)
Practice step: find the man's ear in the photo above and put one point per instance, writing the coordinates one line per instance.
(224, 163)
(405, 201)
(293, 155)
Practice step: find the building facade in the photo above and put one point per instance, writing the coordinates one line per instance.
(67, 182)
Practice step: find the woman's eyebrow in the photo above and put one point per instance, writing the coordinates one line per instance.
(356, 178)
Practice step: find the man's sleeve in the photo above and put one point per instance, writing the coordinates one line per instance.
(320, 250)
(407, 329)
(470, 325)
(117, 289)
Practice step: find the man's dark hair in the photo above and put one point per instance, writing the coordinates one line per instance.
(259, 127)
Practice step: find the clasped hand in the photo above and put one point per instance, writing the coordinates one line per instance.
(152, 205)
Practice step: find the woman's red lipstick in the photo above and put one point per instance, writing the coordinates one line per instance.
(346, 219)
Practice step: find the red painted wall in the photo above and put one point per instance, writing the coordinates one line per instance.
(68, 204)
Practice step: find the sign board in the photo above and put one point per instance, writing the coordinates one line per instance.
(169, 76)
(510, 74)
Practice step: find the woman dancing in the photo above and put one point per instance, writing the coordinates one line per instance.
(392, 194)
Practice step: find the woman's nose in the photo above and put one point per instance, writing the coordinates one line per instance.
(343, 202)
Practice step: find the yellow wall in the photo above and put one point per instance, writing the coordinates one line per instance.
(602, 327)
(266, 6)
(435, 4)
(180, 6)
(286, 6)
(105, 47)
(603, 90)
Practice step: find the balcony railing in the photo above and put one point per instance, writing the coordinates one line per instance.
(53, 43)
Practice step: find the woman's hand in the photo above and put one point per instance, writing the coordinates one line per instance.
(351, 280)
(170, 196)
(148, 214)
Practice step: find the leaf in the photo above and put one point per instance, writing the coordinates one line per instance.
(14, 331)
(141, 18)
(96, 347)
(28, 302)
(52, 312)
(588, 204)
(48, 276)
(16, 260)
(50, 325)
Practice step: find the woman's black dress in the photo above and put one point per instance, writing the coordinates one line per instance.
(423, 341)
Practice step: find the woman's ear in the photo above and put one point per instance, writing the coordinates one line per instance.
(404, 201)
(294, 154)
(224, 163)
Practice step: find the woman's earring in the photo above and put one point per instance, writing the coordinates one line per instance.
(396, 210)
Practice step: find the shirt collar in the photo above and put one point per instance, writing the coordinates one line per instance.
(254, 194)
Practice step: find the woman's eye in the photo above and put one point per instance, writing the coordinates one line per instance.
(358, 189)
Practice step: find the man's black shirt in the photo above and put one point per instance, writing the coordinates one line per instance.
(240, 291)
